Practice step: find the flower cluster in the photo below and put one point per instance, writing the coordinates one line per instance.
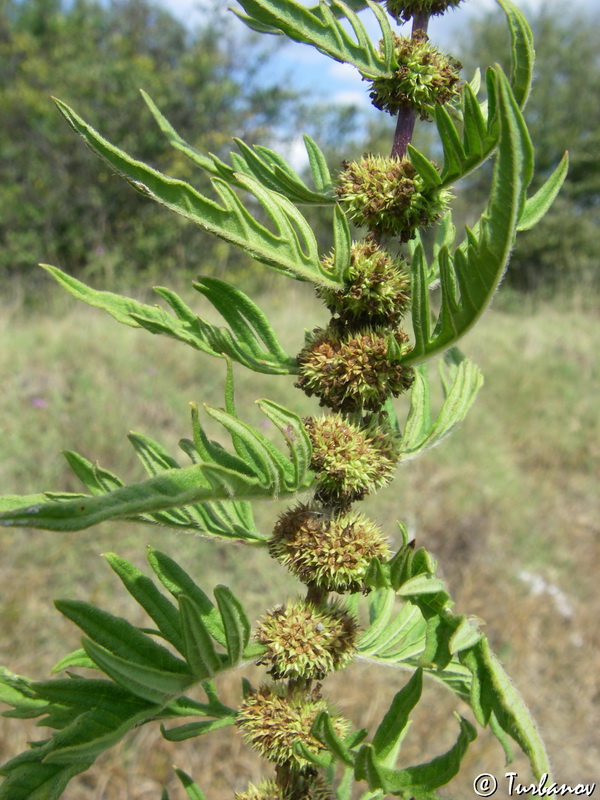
(425, 76)
(350, 461)
(376, 287)
(354, 371)
(313, 788)
(332, 552)
(389, 197)
(305, 642)
(272, 722)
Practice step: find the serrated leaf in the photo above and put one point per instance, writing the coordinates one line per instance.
(322, 30)
(291, 249)
(471, 275)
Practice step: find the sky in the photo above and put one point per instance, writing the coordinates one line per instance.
(341, 83)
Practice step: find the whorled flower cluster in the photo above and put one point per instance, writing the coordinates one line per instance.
(376, 287)
(350, 461)
(405, 9)
(331, 552)
(389, 197)
(425, 76)
(272, 722)
(305, 642)
(354, 371)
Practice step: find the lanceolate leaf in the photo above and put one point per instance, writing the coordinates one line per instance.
(537, 205)
(461, 381)
(470, 276)
(291, 249)
(259, 162)
(324, 30)
(523, 54)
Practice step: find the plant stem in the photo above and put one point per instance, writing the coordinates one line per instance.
(407, 117)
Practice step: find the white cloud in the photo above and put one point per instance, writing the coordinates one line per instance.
(351, 98)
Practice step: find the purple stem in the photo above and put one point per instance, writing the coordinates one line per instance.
(407, 117)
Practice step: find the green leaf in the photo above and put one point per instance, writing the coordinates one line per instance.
(471, 275)
(200, 651)
(425, 583)
(143, 590)
(323, 30)
(318, 166)
(29, 779)
(323, 731)
(535, 207)
(342, 241)
(148, 682)
(235, 624)
(119, 636)
(390, 732)
(424, 167)
(194, 729)
(291, 249)
(461, 380)
(523, 54)
(191, 789)
(494, 698)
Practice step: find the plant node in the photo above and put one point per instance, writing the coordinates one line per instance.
(272, 722)
(376, 287)
(356, 371)
(350, 461)
(389, 197)
(305, 642)
(331, 552)
(425, 76)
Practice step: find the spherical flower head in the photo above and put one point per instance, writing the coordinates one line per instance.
(389, 197)
(425, 76)
(272, 723)
(405, 9)
(376, 287)
(356, 371)
(305, 642)
(331, 552)
(350, 461)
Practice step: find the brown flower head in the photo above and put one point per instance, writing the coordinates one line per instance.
(356, 371)
(331, 552)
(272, 723)
(305, 642)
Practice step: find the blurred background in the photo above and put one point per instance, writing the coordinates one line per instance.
(509, 504)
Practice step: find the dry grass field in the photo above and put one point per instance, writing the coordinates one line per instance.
(509, 504)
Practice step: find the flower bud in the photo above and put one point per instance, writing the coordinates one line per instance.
(330, 552)
(273, 722)
(425, 76)
(356, 371)
(376, 287)
(305, 642)
(350, 461)
(389, 197)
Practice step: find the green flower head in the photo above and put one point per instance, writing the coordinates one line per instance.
(405, 9)
(350, 461)
(272, 722)
(376, 287)
(425, 76)
(354, 371)
(305, 642)
(331, 552)
(313, 788)
(389, 197)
